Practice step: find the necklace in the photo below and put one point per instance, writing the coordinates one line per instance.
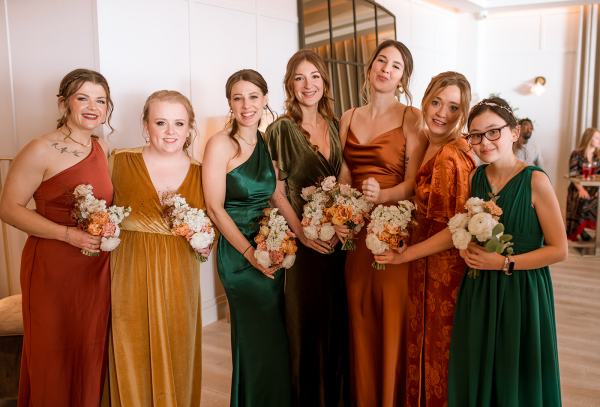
(245, 141)
(498, 186)
(68, 136)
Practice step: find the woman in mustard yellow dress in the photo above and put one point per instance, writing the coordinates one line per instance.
(155, 345)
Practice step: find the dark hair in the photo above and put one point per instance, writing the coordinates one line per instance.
(408, 69)
(525, 120)
(172, 96)
(292, 107)
(442, 81)
(71, 83)
(496, 105)
(248, 75)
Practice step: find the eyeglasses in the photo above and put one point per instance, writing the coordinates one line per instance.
(491, 134)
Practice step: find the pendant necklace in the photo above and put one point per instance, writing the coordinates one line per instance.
(68, 136)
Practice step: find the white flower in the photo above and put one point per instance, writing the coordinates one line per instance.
(461, 238)
(474, 205)
(117, 231)
(288, 261)
(328, 183)
(311, 232)
(375, 245)
(262, 257)
(327, 231)
(108, 244)
(458, 221)
(308, 192)
(481, 225)
(82, 190)
(201, 240)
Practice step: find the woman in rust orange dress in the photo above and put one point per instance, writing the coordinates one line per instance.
(66, 295)
(379, 139)
(437, 269)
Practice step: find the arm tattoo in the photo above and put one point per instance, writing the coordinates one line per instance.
(64, 149)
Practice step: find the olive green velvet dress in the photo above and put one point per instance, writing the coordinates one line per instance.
(503, 350)
(259, 345)
(315, 293)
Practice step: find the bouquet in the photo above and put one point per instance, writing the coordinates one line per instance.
(388, 228)
(191, 223)
(315, 224)
(95, 218)
(480, 224)
(349, 208)
(276, 245)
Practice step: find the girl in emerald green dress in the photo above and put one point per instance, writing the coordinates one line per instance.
(503, 350)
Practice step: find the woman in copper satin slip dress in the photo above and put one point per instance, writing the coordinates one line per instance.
(382, 150)
(66, 294)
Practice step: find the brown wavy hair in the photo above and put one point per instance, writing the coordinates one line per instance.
(585, 140)
(496, 105)
(71, 83)
(291, 104)
(173, 96)
(442, 81)
(406, 73)
(248, 75)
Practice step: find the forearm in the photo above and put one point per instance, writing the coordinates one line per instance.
(32, 223)
(539, 258)
(228, 228)
(437, 243)
(404, 190)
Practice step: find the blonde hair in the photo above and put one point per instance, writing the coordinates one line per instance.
(442, 81)
(586, 139)
(172, 96)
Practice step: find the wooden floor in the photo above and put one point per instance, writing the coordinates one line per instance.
(577, 299)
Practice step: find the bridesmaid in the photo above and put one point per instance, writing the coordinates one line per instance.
(437, 268)
(383, 149)
(503, 349)
(155, 355)
(66, 295)
(239, 180)
(306, 148)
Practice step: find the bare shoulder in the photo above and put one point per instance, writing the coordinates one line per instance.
(221, 145)
(103, 145)
(540, 182)
(413, 116)
(38, 148)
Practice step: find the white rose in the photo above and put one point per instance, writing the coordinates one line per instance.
(307, 192)
(474, 205)
(481, 226)
(375, 245)
(201, 240)
(326, 233)
(461, 238)
(108, 244)
(311, 232)
(288, 261)
(458, 221)
(117, 231)
(262, 257)
(328, 183)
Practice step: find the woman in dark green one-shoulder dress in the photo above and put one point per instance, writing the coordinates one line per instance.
(305, 149)
(503, 350)
(237, 190)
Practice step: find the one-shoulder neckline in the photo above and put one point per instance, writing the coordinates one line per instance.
(254, 151)
(489, 186)
(94, 147)
(357, 141)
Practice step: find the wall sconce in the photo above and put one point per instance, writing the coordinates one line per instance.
(539, 85)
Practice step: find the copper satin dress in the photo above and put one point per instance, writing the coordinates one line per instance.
(442, 188)
(66, 299)
(155, 356)
(376, 298)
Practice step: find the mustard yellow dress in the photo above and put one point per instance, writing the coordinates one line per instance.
(155, 342)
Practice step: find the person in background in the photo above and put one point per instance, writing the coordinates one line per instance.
(582, 202)
(239, 180)
(503, 350)
(526, 149)
(436, 268)
(305, 148)
(155, 355)
(66, 294)
(383, 147)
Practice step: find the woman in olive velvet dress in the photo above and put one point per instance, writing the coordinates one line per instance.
(305, 149)
(239, 179)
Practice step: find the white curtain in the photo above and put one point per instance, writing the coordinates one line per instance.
(587, 86)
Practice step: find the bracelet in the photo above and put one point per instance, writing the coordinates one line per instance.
(244, 252)
(508, 266)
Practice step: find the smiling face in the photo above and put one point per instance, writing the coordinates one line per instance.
(308, 84)
(247, 103)
(490, 151)
(87, 107)
(443, 112)
(386, 70)
(168, 126)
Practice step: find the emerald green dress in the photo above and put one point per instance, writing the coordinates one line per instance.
(315, 292)
(503, 350)
(259, 345)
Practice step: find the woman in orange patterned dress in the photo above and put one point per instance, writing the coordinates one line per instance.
(379, 138)
(436, 271)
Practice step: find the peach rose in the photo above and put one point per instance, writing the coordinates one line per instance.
(99, 218)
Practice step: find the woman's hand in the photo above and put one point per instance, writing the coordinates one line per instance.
(395, 256)
(371, 189)
(205, 252)
(82, 240)
(583, 193)
(342, 232)
(478, 258)
(267, 271)
(317, 245)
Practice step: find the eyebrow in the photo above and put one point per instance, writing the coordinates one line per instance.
(300, 74)
(491, 126)
(85, 94)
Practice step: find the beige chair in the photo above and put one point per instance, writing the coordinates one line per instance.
(11, 342)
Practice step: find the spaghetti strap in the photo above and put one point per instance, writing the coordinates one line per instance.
(403, 115)
(351, 116)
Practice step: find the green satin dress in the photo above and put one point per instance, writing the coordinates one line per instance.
(315, 292)
(259, 345)
(503, 350)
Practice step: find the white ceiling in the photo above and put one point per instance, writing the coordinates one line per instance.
(504, 5)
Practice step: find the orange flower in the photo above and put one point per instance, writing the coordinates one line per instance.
(99, 218)
(340, 214)
(181, 230)
(259, 238)
(288, 246)
(94, 229)
(492, 208)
